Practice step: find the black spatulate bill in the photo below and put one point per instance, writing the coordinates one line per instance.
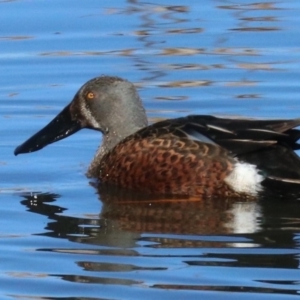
(59, 128)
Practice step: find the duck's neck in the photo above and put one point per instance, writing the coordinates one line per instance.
(110, 140)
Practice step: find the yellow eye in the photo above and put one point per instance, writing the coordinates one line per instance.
(90, 95)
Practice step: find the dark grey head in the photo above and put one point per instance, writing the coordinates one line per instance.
(108, 104)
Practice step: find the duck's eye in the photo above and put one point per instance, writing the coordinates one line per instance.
(90, 95)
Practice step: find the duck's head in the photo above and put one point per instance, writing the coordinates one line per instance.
(108, 104)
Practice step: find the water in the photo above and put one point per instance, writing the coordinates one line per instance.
(63, 239)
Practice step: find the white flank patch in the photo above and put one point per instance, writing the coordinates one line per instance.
(245, 178)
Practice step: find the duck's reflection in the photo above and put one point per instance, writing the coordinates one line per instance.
(137, 213)
(124, 217)
(128, 221)
(97, 230)
(60, 226)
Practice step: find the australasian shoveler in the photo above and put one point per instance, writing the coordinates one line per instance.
(194, 155)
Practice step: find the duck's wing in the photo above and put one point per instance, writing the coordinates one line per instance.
(269, 144)
(240, 136)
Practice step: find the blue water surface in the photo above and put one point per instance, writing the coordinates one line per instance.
(63, 239)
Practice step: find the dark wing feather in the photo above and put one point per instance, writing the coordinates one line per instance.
(249, 131)
(239, 136)
(269, 144)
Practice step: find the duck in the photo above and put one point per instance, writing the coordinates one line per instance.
(196, 155)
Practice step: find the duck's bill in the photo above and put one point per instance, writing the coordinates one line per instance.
(59, 128)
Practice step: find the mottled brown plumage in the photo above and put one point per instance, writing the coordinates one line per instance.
(167, 165)
(192, 156)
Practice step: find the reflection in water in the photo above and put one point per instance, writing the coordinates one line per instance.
(125, 216)
(178, 216)
(264, 23)
(99, 280)
(162, 28)
(83, 230)
(123, 241)
(16, 38)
